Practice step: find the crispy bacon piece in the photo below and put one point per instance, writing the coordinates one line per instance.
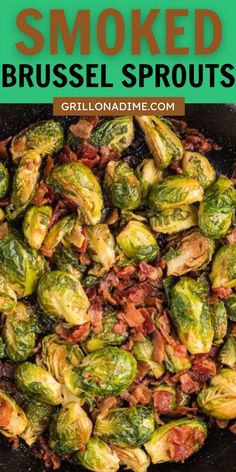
(143, 369)
(49, 167)
(141, 395)
(158, 353)
(188, 384)
(120, 328)
(75, 334)
(125, 272)
(107, 155)
(206, 368)
(231, 238)
(107, 405)
(182, 441)
(223, 292)
(96, 314)
(132, 316)
(82, 129)
(67, 155)
(3, 146)
(87, 151)
(5, 413)
(44, 194)
(3, 230)
(162, 402)
(148, 272)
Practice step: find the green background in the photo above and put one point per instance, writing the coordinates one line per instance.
(225, 54)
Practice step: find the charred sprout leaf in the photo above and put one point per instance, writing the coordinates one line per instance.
(107, 337)
(148, 174)
(174, 362)
(38, 416)
(61, 295)
(74, 237)
(227, 354)
(126, 427)
(4, 180)
(173, 220)
(164, 144)
(174, 191)
(159, 448)
(8, 298)
(101, 245)
(198, 166)
(12, 418)
(35, 225)
(70, 430)
(67, 260)
(45, 137)
(57, 232)
(217, 208)
(193, 252)
(132, 458)
(20, 264)
(219, 400)
(76, 182)
(38, 384)
(223, 272)
(142, 351)
(230, 304)
(137, 242)
(117, 134)
(219, 321)
(98, 457)
(122, 185)
(191, 317)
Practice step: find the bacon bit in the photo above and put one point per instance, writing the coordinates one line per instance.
(45, 453)
(222, 424)
(46, 251)
(163, 402)
(84, 259)
(96, 313)
(58, 211)
(107, 155)
(14, 443)
(158, 353)
(66, 155)
(176, 168)
(5, 413)
(112, 217)
(180, 350)
(231, 238)
(49, 167)
(131, 315)
(223, 292)
(107, 405)
(128, 346)
(134, 294)
(232, 428)
(205, 367)
(148, 325)
(141, 395)
(188, 384)
(82, 129)
(90, 163)
(182, 441)
(75, 334)
(138, 336)
(3, 230)
(3, 146)
(4, 202)
(84, 246)
(162, 263)
(191, 412)
(120, 328)
(148, 272)
(87, 151)
(143, 369)
(44, 194)
(124, 273)
(92, 119)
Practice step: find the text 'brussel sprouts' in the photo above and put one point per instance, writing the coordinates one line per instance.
(98, 457)
(117, 133)
(35, 225)
(137, 242)
(38, 416)
(4, 180)
(173, 220)
(219, 400)
(223, 272)
(7, 296)
(174, 191)
(101, 245)
(12, 418)
(122, 185)
(197, 166)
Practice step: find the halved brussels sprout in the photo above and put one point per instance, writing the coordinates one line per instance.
(35, 225)
(217, 208)
(227, 354)
(172, 220)
(219, 320)
(148, 174)
(107, 337)
(126, 427)
(70, 430)
(12, 418)
(142, 351)
(174, 191)
(38, 416)
(191, 316)
(20, 264)
(174, 362)
(57, 355)
(38, 383)
(198, 166)
(66, 259)
(163, 448)
(122, 185)
(219, 400)
(163, 143)
(98, 457)
(44, 137)
(137, 242)
(230, 304)
(117, 133)
(61, 295)
(106, 372)
(132, 458)
(76, 182)
(101, 245)
(223, 272)
(19, 332)
(193, 252)
(57, 232)
(4, 180)
(75, 236)
(8, 298)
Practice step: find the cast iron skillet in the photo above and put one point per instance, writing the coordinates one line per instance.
(219, 123)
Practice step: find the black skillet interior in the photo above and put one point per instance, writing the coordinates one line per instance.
(217, 122)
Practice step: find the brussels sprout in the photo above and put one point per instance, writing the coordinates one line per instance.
(12, 418)
(172, 220)
(132, 458)
(70, 430)
(21, 265)
(142, 351)
(159, 448)
(35, 225)
(98, 457)
(124, 427)
(2, 348)
(106, 372)
(61, 295)
(223, 271)
(163, 143)
(203, 286)
(57, 233)
(38, 384)
(58, 355)
(175, 362)
(101, 245)
(8, 298)
(198, 166)
(107, 337)
(174, 191)
(148, 174)
(138, 242)
(217, 208)
(45, 137)
(75, 236)
(170, 394)
(77, 182)
(122, 185)
(219, 321)
(227, 354)
(117, 134)
(193, 252)
(191, 317)
(230, 304)
(19, 333)
(67, 260)
(4, 180)
(38, 416)
(219, 400)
